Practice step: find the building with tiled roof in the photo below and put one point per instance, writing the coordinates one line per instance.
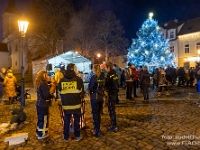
(5, 58)
(189, 43)
(170, 30)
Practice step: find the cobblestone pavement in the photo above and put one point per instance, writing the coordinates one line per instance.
(166, 122)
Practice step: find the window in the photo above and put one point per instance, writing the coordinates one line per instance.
(198, 46)
(172, 49)
(187, 48)
(171, 34)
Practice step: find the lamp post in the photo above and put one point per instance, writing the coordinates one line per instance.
(198, 54)
(98, 56)
(23, 25)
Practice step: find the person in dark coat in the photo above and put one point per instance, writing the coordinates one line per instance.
(72, 93)
(181, 76)
(95, 90)
(145, 81)
(168, 72)
(2, 76)
(42, 104)
(18, 116)
(192, 75)
(129, 82)
(111, 90)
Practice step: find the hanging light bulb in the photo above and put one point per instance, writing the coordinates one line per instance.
(143, 43)
(167, 52)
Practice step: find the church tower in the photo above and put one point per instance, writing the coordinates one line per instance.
(10, 18)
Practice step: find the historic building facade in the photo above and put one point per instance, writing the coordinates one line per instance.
(11, 36)
(189, 43)
(184, 40)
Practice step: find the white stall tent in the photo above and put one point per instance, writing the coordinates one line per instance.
(83, 64)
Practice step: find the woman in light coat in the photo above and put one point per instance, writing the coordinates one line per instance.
(58, 75)
(9, 83)
(162, 83)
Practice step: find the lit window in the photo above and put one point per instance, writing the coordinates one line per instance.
(187, 48)
(172, 49)
(198, 46)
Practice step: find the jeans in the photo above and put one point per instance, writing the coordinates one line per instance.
(97, 104)
(145, 89)
(129, 88)
(111, 109)
(134, 88)
(67, 119)
(43, 120)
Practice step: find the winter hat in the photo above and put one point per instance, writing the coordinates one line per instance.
(129, 64)
(102, 66)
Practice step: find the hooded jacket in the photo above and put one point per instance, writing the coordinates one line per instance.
(71, 91)
(111, 84)
(145, 78)
(9, 83)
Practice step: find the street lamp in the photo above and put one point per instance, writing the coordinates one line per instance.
(23, 25)
(98, 56)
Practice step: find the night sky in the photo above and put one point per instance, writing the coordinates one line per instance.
(132, 13)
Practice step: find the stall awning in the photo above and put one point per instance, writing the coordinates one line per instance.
(73, 57)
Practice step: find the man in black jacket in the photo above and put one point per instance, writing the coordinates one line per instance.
(71, 91)
(111, 90)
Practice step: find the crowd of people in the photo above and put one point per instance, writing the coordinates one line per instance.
(105, 81)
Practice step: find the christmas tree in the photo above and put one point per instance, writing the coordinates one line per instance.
(150, 49)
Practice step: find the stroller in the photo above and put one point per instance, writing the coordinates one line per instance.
(18, 90)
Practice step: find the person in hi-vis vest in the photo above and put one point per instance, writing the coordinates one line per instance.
(42, 104)
(71, 90)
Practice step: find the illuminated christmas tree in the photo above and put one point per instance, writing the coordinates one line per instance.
(150, 48)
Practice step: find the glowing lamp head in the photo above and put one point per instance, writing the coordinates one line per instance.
(98, 55)
(23, 26)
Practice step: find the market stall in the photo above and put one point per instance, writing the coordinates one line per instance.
(83, 64)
